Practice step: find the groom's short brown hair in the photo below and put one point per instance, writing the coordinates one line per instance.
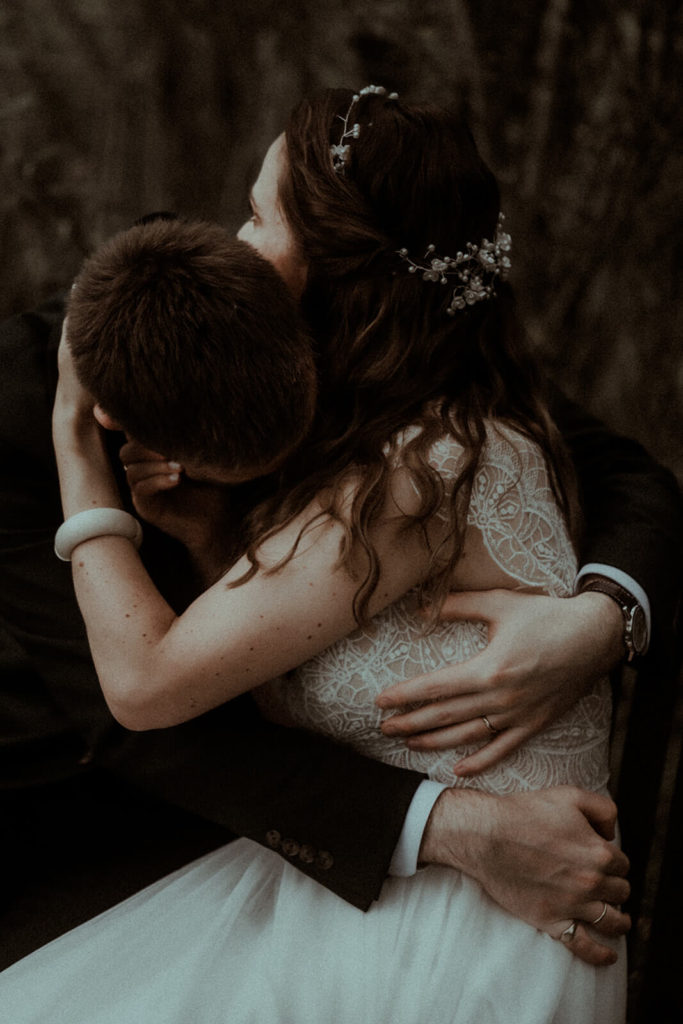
(191, 341)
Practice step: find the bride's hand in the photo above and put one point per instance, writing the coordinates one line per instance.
(543, 654)
(193, 512)
(150, 476)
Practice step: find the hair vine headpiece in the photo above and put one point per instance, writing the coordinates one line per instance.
(475, 270)
(340, 152)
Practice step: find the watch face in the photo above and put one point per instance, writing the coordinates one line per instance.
(638, 630)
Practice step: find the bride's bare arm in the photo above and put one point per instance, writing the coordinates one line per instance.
(157, 668)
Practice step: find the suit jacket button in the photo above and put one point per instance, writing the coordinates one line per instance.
(273, 839)
(307, 853)
(290, 847)
(324, 860)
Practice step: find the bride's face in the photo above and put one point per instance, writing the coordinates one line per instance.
(266, 230)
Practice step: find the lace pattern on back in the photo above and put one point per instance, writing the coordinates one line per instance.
(513, 506)
(524, 533)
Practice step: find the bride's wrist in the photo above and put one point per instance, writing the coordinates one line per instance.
(69, 416)
(86, 478)
(78, 440)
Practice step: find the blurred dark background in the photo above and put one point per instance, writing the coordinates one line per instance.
(112, 109)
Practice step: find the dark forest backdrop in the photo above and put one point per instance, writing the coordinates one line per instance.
(112, 109)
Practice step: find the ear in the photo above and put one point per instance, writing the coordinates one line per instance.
(105, 420)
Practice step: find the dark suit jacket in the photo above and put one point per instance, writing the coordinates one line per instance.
(334, 814)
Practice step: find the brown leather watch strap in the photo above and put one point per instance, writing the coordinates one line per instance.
(635, 623)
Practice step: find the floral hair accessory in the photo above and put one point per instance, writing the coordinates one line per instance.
(475, 270)
(340, 152)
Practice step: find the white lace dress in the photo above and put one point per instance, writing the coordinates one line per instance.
(241, 936)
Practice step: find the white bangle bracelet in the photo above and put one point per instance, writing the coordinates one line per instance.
(95, 522)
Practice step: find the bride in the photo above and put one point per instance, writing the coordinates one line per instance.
(431, 465)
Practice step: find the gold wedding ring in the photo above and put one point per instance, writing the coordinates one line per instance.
(600, 917)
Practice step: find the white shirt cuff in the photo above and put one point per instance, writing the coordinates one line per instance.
(404, 860)
(625, 581)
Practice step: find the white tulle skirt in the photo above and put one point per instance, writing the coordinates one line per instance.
(240, 936)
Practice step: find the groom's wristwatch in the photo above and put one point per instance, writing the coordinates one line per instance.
(635, 623)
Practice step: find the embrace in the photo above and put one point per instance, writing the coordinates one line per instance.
(336, 418)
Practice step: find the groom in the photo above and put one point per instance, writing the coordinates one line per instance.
(82, 795)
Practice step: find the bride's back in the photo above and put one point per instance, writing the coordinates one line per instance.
(516, 538)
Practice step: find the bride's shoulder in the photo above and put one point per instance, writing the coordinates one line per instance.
(515, 456)
(505, 447)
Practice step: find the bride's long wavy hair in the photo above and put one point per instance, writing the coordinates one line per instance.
(387, 349)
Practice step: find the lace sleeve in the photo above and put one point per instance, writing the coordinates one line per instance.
(513, 506)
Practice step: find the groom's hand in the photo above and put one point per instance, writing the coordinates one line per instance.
(544, 856)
